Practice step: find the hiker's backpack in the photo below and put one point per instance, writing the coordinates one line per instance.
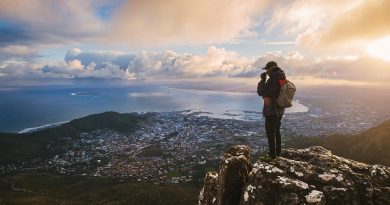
(286, 94)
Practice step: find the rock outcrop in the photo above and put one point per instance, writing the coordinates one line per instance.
(225, 187)
(299, 176)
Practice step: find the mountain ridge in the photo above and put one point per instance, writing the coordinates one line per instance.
(370, 146)
(23, 146)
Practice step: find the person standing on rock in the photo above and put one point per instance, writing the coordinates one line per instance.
(273, 113)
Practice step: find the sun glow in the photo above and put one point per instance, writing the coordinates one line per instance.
(380, 48)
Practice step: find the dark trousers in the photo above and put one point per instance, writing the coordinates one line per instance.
(272, 128)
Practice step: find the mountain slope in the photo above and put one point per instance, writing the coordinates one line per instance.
(51, 189)
(371, 146)
(15, 147)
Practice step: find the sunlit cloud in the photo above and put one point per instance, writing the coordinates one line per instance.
(75, 64)
(17, 51)
(280, 43)
(48, 22)
(316, 81)
(368, 20)
(380, 48)
(332, 24)
(151, 23)
(217, 63)
(321, 40)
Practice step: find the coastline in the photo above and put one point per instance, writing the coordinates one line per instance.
(243, 115)
(34, 129)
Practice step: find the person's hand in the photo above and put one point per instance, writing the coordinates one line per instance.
(263, 76)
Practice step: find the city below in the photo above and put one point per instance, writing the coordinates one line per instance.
(171, 147)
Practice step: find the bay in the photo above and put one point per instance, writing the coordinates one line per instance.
(26, 107)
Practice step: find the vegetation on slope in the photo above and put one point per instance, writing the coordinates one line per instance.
(371, 146)
(51, 189)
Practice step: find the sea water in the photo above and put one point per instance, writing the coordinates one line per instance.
(26, 107)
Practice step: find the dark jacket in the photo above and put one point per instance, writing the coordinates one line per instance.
(271, 89)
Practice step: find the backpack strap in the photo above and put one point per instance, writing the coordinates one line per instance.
(282, 82)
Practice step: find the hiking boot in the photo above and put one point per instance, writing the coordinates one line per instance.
(273, 161)
(268, 158)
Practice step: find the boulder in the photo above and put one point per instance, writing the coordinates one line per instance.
(225, 187)
(300, 176)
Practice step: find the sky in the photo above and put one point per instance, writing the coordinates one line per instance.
(315, 42)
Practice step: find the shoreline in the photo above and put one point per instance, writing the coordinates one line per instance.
(243, 115)
(42, 127)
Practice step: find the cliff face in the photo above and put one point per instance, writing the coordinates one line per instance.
(299, 176)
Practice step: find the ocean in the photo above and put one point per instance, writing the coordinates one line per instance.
(27, 107)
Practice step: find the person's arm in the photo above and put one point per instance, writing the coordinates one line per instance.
(268, 88)
(261, 84)
(260, 87)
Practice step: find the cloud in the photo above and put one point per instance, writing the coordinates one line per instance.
(71, 69)
(167, 64)
(16, 51)
(136, 23)
(338, 69)
(300, 16)
(217, 63)
(106, 71)
(53, 22)
(151, 23)
(99, 57)
(75, 64)
(74, 69)
(26, 70)
(143, 65)
(325, 24)
(369, 20)
(13, 34)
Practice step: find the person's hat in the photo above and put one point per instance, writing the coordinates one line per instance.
(269, 65)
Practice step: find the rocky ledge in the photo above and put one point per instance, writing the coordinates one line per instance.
(299, 176)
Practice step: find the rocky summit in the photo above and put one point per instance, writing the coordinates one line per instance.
(300, 176)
